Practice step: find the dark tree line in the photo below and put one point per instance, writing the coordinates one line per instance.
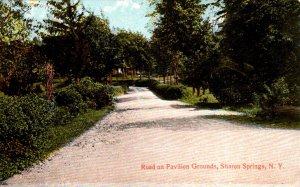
(75, 41)
(253, 57)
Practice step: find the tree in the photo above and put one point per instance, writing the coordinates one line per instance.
(23, 65)
(13, 24)
(261, 40)
(181, 29)
(133, 51)
(64, 27)
(163, 57)
(102, 47)
(19, 63)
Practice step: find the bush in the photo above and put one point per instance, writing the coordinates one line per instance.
(146, 83)
(27, 123)
(24, 125)
(61, 116)
(123, 82)
(104, 96)
(169, 92)
(94, 94)
(274, 96)
(71, 98)
(118, 90)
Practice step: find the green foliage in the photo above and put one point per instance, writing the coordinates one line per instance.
(205, 99)
(275, 96)
(71, 98)
(177, 23)
(21, 133)
(102, 47)
(21, 65)
(68, 14)
(261, 44)
(13, 24)
(31, 127)
(146, 83)
(169, 92)
(65, 42)
(57, 136)
(95, 94)
(183, 42)
(133, 51)
(119, 90)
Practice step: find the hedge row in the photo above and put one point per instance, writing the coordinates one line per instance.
(25, 122)
(168, 92)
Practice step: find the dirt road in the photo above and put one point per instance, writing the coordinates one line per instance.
(149, 141)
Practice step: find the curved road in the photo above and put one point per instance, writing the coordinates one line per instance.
(149, 141)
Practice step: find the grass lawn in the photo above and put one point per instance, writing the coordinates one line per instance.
(66, 133)
(251, 113)
(59, 136)
(263, 121)
(194, 99)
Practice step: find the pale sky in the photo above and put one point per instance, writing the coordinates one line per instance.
(123, 14)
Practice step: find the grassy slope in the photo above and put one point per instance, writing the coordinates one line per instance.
(66, 133)
(251, 113)
(58, 137)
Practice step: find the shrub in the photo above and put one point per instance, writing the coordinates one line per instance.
(169, 92)
(118, 90)
(104, 96)
(94, 94)
(24, 123)
(146, 83)
(274, 96)
(61, 116)
(123, 82)
(71, 98)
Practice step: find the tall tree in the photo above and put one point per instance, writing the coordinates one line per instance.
(133, 51)
(18, 62)
(64, 27)
(13, 24)
(261, 39)
(102, 46)
(180, 27)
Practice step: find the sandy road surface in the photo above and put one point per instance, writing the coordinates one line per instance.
(149, 141)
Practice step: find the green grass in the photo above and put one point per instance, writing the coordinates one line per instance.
(120, 90)
(195, 100)
(281, 122)
(59, 136)
(252, 113)
(66, 133)
(247, 109)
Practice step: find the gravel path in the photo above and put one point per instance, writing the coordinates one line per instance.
(149, 141)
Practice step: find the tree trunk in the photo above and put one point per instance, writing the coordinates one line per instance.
(140, 74)
(194, 90)
(110, 78)
(124, 73)
(164, 79)
(198, 91)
